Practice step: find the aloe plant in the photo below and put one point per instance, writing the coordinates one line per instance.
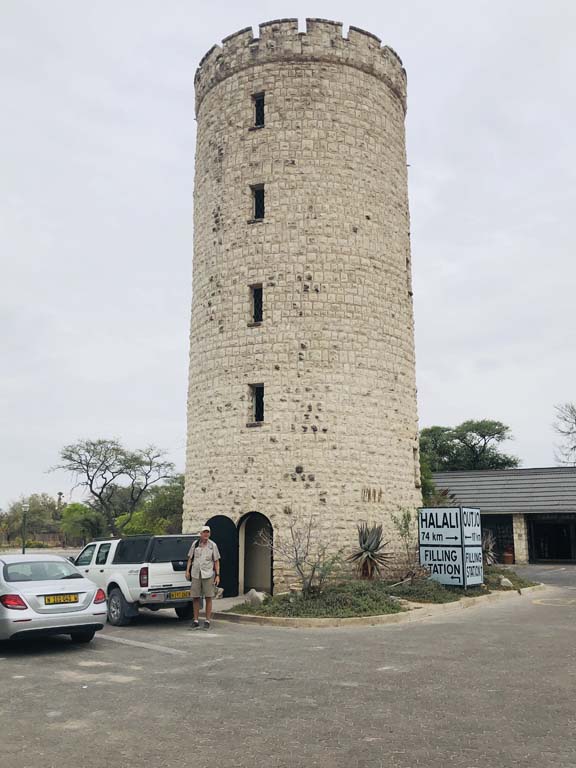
(370, 557)
(489, 548)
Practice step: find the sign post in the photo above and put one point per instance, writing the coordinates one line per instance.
(450, 540)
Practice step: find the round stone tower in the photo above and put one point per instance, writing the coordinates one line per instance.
(302, 395)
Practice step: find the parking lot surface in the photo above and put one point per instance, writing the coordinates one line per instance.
(489, 686)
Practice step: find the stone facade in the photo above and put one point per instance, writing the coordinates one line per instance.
(520, 531)
(335, 348)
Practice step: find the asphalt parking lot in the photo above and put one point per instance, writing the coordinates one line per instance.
(554, 575)
(489, 686)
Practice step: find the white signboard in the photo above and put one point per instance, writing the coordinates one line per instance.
(451, 545)
(473, 568)
(444, 563)
(440, 526)
(471, 527)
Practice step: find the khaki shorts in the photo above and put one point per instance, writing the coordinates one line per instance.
(202, 587)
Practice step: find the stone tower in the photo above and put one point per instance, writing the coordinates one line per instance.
(302, 395)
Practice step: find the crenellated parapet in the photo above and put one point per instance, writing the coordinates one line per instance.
(280, 41)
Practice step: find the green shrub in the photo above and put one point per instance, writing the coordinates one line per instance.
(341, 600)
(425, 591)
(370, 556)
(428, 591)
(493, 574)
(345, 599)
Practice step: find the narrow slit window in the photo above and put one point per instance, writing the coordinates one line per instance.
(257, 402)
(257, 303)
(417, 478)
(258, 110)
(258, 201)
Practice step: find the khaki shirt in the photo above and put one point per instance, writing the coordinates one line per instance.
(203, 559)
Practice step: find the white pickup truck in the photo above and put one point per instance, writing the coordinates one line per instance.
(139, 572)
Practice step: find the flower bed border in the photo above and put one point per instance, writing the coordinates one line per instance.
(415, 612)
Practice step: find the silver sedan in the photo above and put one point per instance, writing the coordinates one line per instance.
(47, 595)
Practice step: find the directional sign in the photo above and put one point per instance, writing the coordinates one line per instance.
(473, 567)
(451, 545)
(444, 563)
(440, 526)
(471, 527)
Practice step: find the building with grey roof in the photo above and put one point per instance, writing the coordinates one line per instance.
(532, 512)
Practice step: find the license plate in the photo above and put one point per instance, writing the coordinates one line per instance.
(183, 594)
(59, 599)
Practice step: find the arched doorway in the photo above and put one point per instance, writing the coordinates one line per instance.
(255, 557)
(225, 534)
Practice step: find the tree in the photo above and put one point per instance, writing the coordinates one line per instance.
(80, 521)
(406, 526)
(426, 481)
(565, 426)
(470, 445)
(161, 511)
(163, 506)
(3, 524)
(116, 479)
(304, 550)
(41, 516)
(437, 449)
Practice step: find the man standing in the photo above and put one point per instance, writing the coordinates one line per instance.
(203, 570)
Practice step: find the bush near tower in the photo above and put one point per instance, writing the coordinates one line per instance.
(354, 597)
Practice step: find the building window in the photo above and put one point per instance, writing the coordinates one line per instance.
(258, 110)
(256, 295)
(258, 208)
(257, 392)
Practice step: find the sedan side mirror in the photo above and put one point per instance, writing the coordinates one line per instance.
(72, 559)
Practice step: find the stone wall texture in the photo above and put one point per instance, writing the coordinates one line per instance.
(520, 531)
(335, 349)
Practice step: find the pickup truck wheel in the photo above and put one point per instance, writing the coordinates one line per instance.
(185, 611)
(82, 637)
(118, 609)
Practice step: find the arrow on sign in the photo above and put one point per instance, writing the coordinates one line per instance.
(451, 538)
(455, 577)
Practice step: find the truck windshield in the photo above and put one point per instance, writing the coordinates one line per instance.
(167, 548)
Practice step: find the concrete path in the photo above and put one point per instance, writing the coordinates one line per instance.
(225, 603)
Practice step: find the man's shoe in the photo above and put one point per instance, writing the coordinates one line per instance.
(195, 624)
(206, 624)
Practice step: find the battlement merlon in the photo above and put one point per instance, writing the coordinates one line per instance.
(280, 40)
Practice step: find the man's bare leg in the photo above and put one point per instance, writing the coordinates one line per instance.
(208, 608)
(196, 608)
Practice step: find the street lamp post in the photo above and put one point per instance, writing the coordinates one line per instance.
(25, 508)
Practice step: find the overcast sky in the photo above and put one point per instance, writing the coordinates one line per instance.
(96, 174)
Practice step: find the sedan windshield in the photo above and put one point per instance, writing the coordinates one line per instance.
(40, 570)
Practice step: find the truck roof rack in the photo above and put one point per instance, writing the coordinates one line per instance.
(104, 538)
